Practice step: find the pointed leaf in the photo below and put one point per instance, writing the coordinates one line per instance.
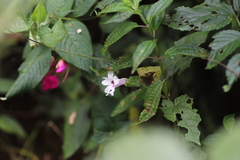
(32, 70)
(50, 37)
(118, 33)
(229, 122)
(189, 118)
(81, 7)
(59, 7)
(194, 39)
(151, 101)
(187, 50)
(143, 50)
(225, 42)
(76, 127)
(19, 24)
(12, 126)
(119, 17)
(129, 101)
(76, 47)
(39, 14)
(116, 7)
(236, 5)
(104, 3)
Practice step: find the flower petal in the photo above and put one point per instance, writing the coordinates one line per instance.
(110, 74)
(61, 66)
(107, 82)
(49, 82)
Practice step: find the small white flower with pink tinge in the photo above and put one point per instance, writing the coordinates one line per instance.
(112, 82)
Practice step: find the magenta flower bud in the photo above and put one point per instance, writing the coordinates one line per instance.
(61, 66)
(49, 82)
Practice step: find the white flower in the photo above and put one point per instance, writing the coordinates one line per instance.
(111, 82)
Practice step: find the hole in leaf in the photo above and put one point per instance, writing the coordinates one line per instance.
(239, 63)
(221, 52)
(205, 21)
(214, 12)
(189, 101)
(178, 117)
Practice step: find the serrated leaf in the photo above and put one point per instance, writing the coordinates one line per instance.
(19, 24)
(201, 17)
(194, 39)
(104, 3)
(75, 128)
(143, 50)
(118, 33)
(76, 47)
(229, 122)
(233, 64)
(32, 70)
(187, 50)
(81, 7)
(10, 125)
(119, 17)
(116, 7)
(128, 101)
(59, 7)
(236, 5)
(39, 14)
(189, 118)
(225, 42)
(157, 8)
(151, 101)
(50, 37)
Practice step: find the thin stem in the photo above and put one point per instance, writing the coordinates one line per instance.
(99, 152)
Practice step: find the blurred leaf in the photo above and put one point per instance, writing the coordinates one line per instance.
(12, 126)
(39, 14)
(76, 46)
(104, 3)
(198, 154)
(76, 133)
(136, 3)
(81, 7)
(133, 81)
(225, 42)
(229, 122)
(50, 37)
(116, 7)
(151, 101)
(194, 39)
(59, 7)
(118, 33)
(206, 17)
(233, 64)
(119, 17)
(5, 85)
(32, 70)
(143, 50)
(19, 24)
(189, 118)
(212, 139)
(236, 5)
(129, 101)
(187, 50)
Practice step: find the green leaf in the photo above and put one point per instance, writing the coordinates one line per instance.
(204, 17)
(39, 14)
(116, 7)
(129, 101)
(76, 127)
(81, 7)
(151, 101)
(132, 81)
(189, 118)
(119, 17)
(104, 3)
(194, 39)
(118, 33)
(10, 125)
(157, 9)
(19, 24)
(59, 7)
(75, 48)
(136, 4)
(50, 37)
(233, 64)
(236, 5)
(225, 42)
(32, 70)
(187, 50)
(228, 122)
(143, 50)
(5, 85)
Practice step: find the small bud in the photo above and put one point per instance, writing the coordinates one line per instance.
(61, 66)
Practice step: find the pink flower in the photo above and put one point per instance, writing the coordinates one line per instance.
(61, 66)
(49, 82)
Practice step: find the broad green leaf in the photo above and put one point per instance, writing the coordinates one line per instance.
(151, 101)
(75, 48)
(157, 9)
(129, 3)
(5, 85)
(118, 33)
(76, 127)
(19, 24)
(189, 118)
(236, 5)
(194, 39)
(39, 14)
(81, 7)
(116, 7)
(201, 17)
(59, 7)
(212, 139)
(187, 50)
(229, 122)
(104, 3)
(119, 17)
(143, 50)
(225, 42)
(50, 37)
(136, 4)
(129, 101)
(32, 70)
(233, 64)
(12, 126)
